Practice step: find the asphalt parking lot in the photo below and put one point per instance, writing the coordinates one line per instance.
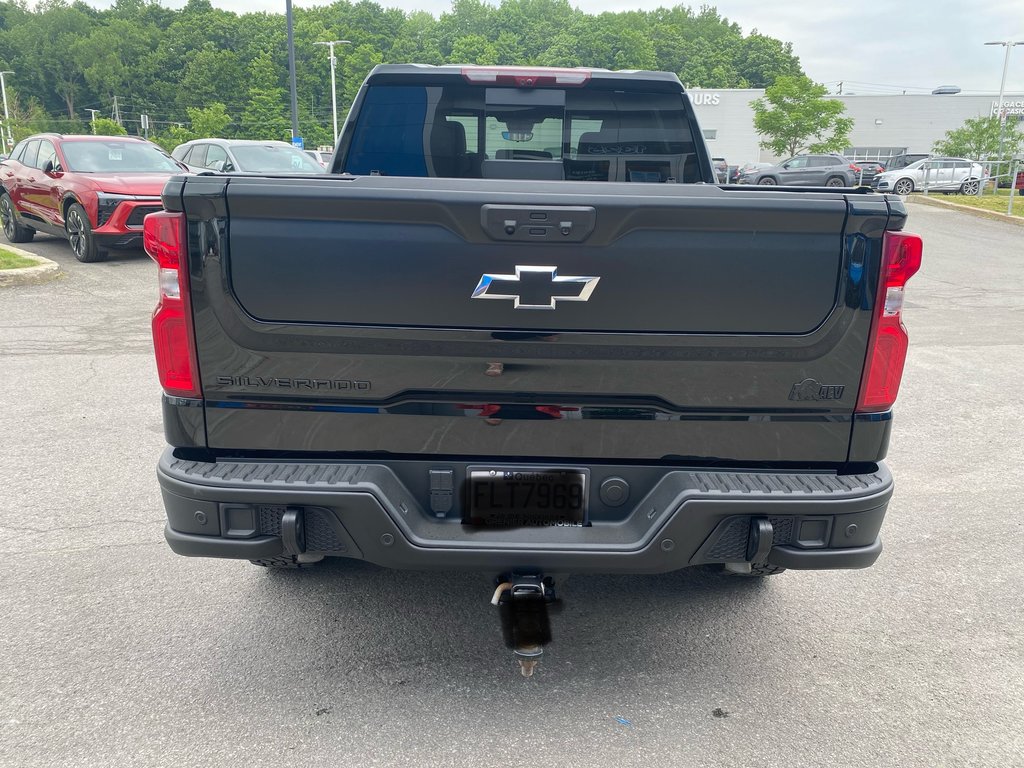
(113, 651)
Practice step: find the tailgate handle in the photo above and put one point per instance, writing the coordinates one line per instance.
(545, 223)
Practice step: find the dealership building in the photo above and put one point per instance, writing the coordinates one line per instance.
(882, 125)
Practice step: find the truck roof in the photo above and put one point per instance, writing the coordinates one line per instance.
(478, 73)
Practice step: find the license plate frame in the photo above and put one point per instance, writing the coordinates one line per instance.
(512, 497)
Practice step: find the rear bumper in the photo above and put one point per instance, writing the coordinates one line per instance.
(237, 509)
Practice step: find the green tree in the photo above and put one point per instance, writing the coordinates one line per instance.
(467, 17)
(978, 139)
(210, 122)
(760, 60)
(474, 49)
(211, 76)
(27, 116)
(710, 65)
(172, 136)
(418, 40)
(354, 69)
(266, 116)
(163, 62)
(46, 46)
(104, 126)
(795, 116)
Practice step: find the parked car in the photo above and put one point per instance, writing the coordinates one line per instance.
(806, 171)
(244, 156)
(902, 161)
(748, 168)
(942, 174)
(94, 190)
(324, 158)
(733, 174)
(868, 170)
(721, 167)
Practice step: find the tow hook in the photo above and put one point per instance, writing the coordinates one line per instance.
(523, 602)
(759, 544)
(293, 531)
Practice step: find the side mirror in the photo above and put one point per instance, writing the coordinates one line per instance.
(217, 165)
(227, 167)
(48, 168)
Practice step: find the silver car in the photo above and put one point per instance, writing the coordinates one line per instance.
(324, 158)
(941, 174)
(244, 156)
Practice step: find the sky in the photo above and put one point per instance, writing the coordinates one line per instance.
(873, 46)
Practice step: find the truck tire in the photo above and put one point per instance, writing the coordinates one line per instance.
(288, 562)
(13, 230)
(80, 236)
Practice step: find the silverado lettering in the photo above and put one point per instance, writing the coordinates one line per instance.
(286, 383)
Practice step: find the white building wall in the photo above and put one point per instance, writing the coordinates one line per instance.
(727, 113)
(912, 121)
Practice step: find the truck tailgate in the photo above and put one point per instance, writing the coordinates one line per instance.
(658, 322)
(665, 264)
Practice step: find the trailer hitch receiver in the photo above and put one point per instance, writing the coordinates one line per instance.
(523, 601)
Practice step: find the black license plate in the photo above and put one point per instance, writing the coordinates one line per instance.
(514, 498)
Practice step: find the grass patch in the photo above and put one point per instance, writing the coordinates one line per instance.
(989, 202)
(10, 260)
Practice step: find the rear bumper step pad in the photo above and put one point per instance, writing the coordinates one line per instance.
(235, 509)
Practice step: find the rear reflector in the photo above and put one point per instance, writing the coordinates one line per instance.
(163, 236)
(526, 77)
(888, 341)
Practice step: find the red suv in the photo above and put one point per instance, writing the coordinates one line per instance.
(94, 190)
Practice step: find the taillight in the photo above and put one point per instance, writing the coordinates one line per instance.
(887, 342)
(163, 236)
(526, 77)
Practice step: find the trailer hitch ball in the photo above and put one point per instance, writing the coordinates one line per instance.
(528, 656)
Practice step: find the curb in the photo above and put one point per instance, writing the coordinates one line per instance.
(43, 272)
(981, 213)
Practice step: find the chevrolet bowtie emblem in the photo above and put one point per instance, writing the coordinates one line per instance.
(535, 287)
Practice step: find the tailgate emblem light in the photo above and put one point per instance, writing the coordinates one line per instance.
(535, 287)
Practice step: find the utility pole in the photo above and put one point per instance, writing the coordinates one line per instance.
(1008, 45)
(92, 120)
(291, 69)
(115, 115)
(840, 87)
(7, 114)
(334, 87)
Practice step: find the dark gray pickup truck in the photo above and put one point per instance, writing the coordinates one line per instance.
(520, 329)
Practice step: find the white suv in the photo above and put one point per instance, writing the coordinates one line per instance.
(941, 174)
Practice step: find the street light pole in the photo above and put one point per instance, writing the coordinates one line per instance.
(1008, 45)
(7, 114)
(334, 87)
(291, 68)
